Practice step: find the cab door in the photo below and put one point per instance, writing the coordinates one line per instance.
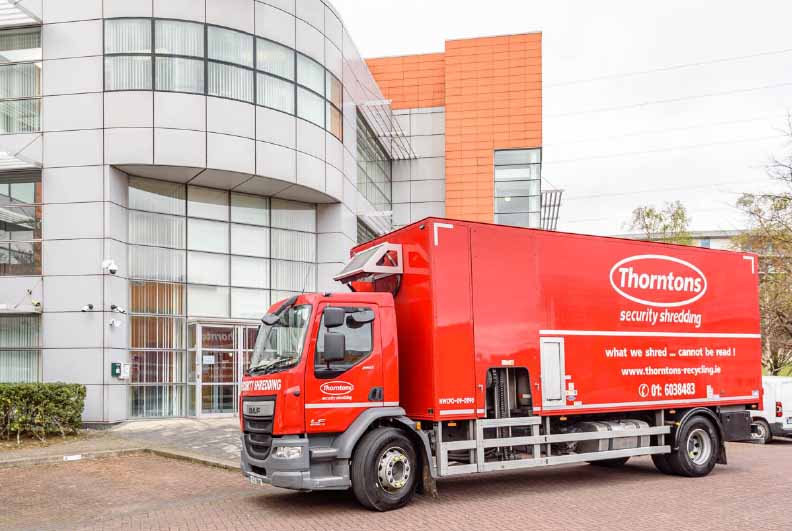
(336, 393)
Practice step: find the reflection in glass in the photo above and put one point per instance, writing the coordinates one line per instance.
(274, 59)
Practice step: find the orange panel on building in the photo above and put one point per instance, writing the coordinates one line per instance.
(491, 88)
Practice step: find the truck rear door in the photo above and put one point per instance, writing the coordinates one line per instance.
(336, 393)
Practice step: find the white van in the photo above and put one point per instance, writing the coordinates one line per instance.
(775, 417)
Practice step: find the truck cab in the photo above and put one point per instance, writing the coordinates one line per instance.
(321, 361)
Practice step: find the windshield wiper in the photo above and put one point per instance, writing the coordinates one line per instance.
(277, 364)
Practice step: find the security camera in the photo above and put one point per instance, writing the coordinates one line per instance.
(110, 266)
(36, 304)
(87, 308)
(116, 308)
(115, 323)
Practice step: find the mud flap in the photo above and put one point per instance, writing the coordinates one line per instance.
(722, 455)
(428, 485)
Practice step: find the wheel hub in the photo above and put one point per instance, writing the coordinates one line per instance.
(394, 469)
(699, 446)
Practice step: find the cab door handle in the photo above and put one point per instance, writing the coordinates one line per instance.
(376, 394)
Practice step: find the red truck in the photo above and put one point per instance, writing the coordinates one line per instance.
(466, 348)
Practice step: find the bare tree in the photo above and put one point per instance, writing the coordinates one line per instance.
(669, 224)
(770, 236)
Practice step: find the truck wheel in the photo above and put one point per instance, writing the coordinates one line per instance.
(661, 463)
(764, 434)
(610, 463)
(699, 444)
(384, 470)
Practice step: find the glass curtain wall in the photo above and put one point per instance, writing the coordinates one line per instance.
(20, 224)
(181, 56)
(518, 174)
(374, 167)
(19, 348)
(20, 80)
(204, 253)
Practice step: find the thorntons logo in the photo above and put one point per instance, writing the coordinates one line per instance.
(657, 280)
(337, 388)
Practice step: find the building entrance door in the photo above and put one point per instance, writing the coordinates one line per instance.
(221, 352)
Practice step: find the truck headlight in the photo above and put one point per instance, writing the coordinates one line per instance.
(288, 452)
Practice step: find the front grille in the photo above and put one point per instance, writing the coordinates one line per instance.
(258, 435)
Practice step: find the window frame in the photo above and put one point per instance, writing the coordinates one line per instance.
(255, 69)
(321, 372)
(499, 214)
(38, 62)
(36, 240)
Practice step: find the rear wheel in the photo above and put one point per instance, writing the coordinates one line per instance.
(699, 444)
(610, 463)
(384, 470)
(763, 433)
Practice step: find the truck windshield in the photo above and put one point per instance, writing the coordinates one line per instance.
(279, 346)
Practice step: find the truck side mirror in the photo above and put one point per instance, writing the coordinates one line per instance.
(362, 317)
(334, 317)
(334, 347)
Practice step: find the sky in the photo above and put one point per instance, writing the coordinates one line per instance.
(643, 102)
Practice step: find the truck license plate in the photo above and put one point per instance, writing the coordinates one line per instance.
(256, 481)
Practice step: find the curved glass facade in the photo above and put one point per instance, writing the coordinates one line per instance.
(194, 58)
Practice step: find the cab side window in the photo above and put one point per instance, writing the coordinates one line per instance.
(359, 343)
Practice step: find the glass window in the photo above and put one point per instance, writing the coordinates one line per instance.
(155, 263)
(207, 268)
(179, 38)
(175, 400)
(20, 225)
(250, 241)
(359, 339)
(249, 272)
(207, 301)
(290, 245)
(274, 59)
(310, 74)
(249, 209)
(203, 235)
(156, 298)
(207, 203)
(19, 45)
(128, 36)
(310, 107)
(334, 91)
(230, 46)
(293, 215)
(275, 93)
(162, 230)
(518, 187)
(19, 348)
(249, 303)
(157, 333)
(294, 277)
(156, 196)
(20, 80)
(230, 82)
(128, 72)
(177, 74)
(374, 167)
(335, 122)
(20, 116)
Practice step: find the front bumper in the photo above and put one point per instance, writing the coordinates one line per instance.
(294, 474)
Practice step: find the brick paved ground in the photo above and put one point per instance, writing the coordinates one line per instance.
(148, 492)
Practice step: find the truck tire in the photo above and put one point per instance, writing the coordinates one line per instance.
(661, 463)
(384, 470)
(699, 445)
(610, 463)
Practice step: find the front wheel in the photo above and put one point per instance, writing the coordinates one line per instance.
(384, 470)
(699, 445)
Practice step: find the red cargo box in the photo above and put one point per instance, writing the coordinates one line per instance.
(601, 324)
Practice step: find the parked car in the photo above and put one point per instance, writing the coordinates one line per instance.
(775, 417)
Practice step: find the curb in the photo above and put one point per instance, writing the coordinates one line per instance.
(103, 454)
(54, 459)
